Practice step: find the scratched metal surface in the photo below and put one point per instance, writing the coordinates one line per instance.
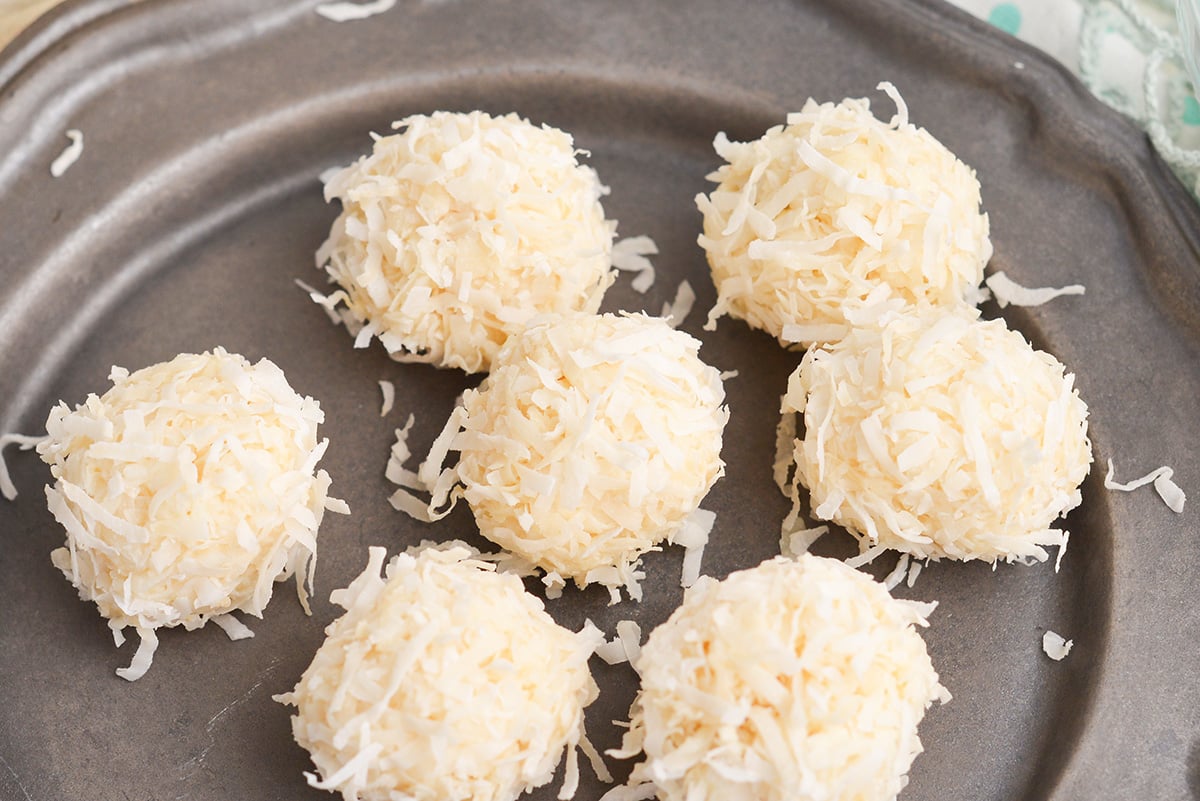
(195, 205)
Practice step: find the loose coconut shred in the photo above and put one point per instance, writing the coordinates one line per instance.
(593, 439)
(792, 680)
(940, 435)
(1164, 484)
(444, 681)
(70, 154)
(186, 491)
(1056, 646)
(1009, 293)
(347, 12)
(460, 229)
(388, 390)
(824, 223)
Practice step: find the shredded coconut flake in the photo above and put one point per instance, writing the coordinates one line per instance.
(346, 12)
(443, 679)
(612, 652)
(637, 791)
(459, 230)
(677, 310)
(798, 333)
(914, 570)
(797, 542)
(693, 536)
(898, 572)
(1164, 485)
(143, 657)
(794, 679)
(25, 442)
(1009, 293)
(940, 435)
(233, 628)
(1055, 646)
(630, 635)
(838, 214)
(186, 491)
(1170, 492)
(625, 646)
(327, 302)
(326, 175)
(388, 390)
(629, 255)
(70, 154)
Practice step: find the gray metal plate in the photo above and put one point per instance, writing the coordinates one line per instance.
(196, 204)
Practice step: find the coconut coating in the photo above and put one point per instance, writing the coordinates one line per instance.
(823, 221)
(592, 441)
(941, 435)
(186, 490)
(443, 681)
(459, 229)
(794, 680)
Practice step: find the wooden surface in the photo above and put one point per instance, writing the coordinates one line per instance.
(15, 15)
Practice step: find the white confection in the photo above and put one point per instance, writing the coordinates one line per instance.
(186, 491)
(443, 681)
(941, 435)
(458, 230)
(822, 224)
(797, 680)
(593, 440)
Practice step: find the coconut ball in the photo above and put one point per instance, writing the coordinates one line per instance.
(795, 680)
(457, 230)
(941, 435)
(443, 681)
(593, 440)
(822, 222)
(186, 490)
